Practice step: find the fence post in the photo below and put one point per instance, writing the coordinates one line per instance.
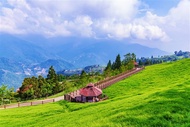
(53, 100)
(18, 104)
(65, 97)
(31, 103)
(42, 102)
(4, 106)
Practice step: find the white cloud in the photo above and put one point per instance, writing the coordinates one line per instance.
(82, 26)
(148, 32)
(11, 20)
(180, 14)
(117, 19)
(178, 26)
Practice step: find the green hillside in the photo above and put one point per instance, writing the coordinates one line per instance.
(157, 96)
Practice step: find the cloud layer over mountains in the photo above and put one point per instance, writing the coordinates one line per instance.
(121, 19)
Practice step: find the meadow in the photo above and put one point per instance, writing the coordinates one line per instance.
(156, 96)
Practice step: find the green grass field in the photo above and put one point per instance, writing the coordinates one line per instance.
(159, 96)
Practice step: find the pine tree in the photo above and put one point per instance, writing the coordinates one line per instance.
(52, 79)
(51, 74)
(108, 66)
(108, 69)
(117, 62)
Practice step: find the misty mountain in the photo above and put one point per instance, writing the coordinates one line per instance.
(12, 73)
(21, 50)
(42, 68)
(80, 52)
(31, 56)
(90, 51)
(87, 69)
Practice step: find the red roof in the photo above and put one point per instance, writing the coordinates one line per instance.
(90, 91)
(135, 63)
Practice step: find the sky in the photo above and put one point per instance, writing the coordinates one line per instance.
(163, 24)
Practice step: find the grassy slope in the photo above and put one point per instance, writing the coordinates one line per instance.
(157, 96)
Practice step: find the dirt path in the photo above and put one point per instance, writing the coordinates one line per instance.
(32, 103)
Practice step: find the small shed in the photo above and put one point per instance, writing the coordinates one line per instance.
(90, 93)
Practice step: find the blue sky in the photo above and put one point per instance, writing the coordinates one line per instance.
(163, 24)
(161, 7)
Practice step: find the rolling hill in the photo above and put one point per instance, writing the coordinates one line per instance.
(157, 96)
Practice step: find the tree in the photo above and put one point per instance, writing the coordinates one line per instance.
(117, 62)
(140, 62)
(52, 79)
(108, 67)
(127, 58)
(27, 85)
(51, 74)
(6, 93)
(133, 57)
(83, 74)
(113, 66)
(42, 91)
(83, 78)
(130, 65)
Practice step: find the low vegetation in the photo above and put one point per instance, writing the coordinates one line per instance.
(157, 96)
(167, 58)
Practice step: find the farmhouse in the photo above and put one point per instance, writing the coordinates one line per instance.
(90, 93)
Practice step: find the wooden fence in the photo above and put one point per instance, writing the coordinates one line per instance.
(22, 104)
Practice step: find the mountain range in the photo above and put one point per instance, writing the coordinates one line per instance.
(31, 56)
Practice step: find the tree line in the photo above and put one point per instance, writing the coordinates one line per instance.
(119, 66)
(40, 87)
(37, 87)
(160, 59)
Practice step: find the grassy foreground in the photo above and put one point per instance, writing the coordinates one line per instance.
(157, 96)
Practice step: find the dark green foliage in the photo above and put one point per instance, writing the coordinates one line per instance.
(119, 66)
(83, 74)
(37, 87)
(6, 94)
(108, 67)
(127, 58)
(52, 76)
